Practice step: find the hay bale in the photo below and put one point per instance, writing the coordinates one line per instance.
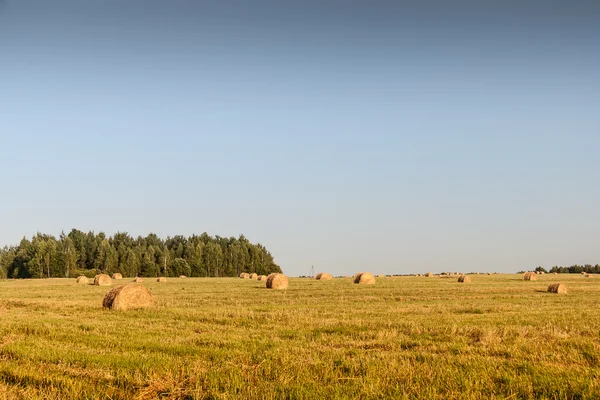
(464, 279)
(324, 276)
(364, 278)
(127, 297)
(428, 275)
(529, 276)
(138, 279)
(587, 275)
(102, 280)
(557, 288)
(277, 281)
(117, 275)
(162, 279)
(262, 278)
(253, 276)
(245, 275)
(182, 276)
(82, 280)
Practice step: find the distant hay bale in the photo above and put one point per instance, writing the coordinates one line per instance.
(102, 280)
(587, 275)
(557, 288)
(117, 275)
(324, 276)
(378, 276)
(489, 273)
(428, 275)
(82, 280)
(162, 279)
(138, 279)
(364, 278)
(529, 276)
(182, 276)
(277, 281)
(464, 279)
(262, 278)
(253, 276)
(127, 297)
(245, 275)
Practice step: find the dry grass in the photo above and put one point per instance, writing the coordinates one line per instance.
(223, 338)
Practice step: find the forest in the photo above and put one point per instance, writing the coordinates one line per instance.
(574, 269)
(80, 253)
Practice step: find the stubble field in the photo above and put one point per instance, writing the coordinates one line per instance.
(228, 338)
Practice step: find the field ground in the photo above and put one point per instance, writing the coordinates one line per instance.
(227, 338)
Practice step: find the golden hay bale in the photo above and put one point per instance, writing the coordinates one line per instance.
(277, 281)
(138, 279)
(587, 275)
(116, 275)
(364, 278)
(162, 279)
(529, 276)
(428, 275)
(245, 275)
(324, 276)
(253, 276)
(464, 279)
(557, 288)
(82, 280)
(182, 276)
(262, 278)
(102, 280)
(127, 297)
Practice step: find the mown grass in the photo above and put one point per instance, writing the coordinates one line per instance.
(406, 337)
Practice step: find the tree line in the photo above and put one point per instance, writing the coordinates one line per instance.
(80, 253)
(573, 269)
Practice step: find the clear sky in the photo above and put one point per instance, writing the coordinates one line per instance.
(349, 135)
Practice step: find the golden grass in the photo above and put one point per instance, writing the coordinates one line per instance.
(222, 338)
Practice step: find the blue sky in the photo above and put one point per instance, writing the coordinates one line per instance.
(395, 137)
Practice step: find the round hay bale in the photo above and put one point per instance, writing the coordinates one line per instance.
(587, 275)
(529, 276)
(557, 288)
(182, 276)
(428, 275)
(464, 279)
(127, 297)
(324, 276)
(364, 278)
(262, 278)
(253, 276)
(82, 280)
(138, 279)
(102, 280)
(162, 279)
(117, 275)
(277, 281)
(245, 275)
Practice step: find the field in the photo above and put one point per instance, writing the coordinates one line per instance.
(227, 338)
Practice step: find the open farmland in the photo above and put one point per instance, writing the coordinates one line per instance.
(223, 338)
